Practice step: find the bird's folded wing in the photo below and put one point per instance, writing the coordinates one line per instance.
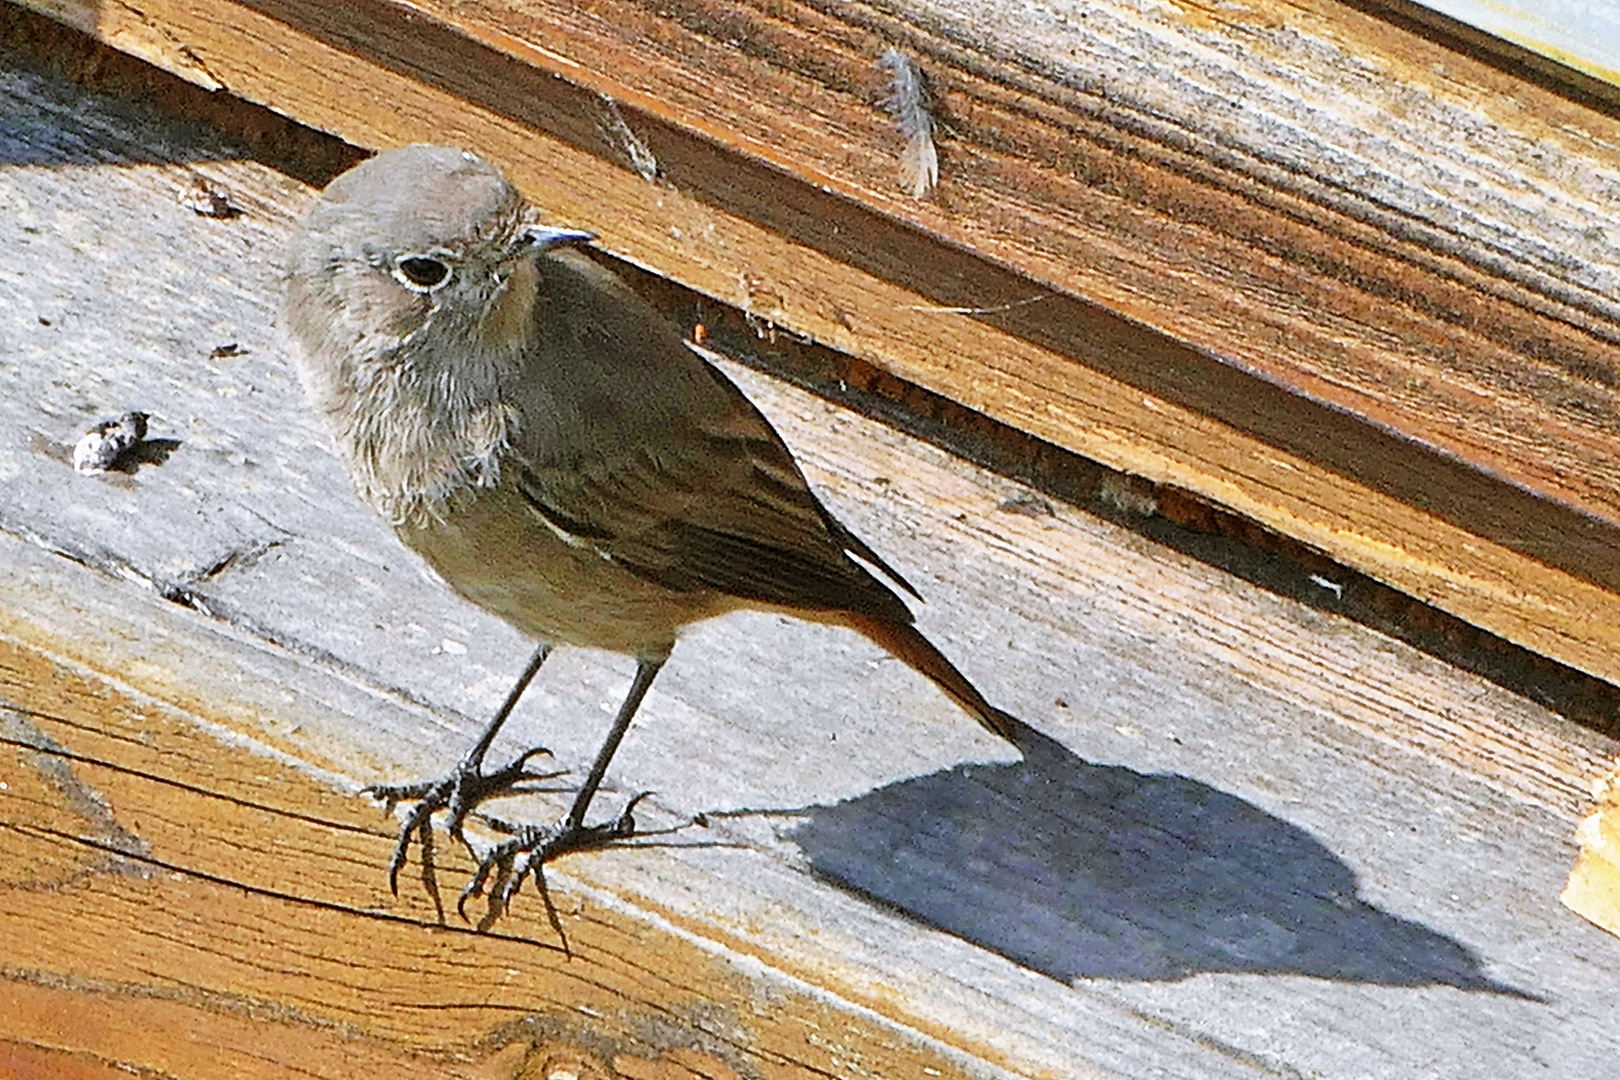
(652, 457)
(725, 514)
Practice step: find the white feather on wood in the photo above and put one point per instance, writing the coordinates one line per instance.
(909, 105)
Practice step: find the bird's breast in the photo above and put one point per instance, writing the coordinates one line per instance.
(495, 551)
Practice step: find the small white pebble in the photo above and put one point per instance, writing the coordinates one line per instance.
(109, 442)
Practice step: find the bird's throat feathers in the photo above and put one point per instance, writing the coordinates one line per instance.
(424, 415)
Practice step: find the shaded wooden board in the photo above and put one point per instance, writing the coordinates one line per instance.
(1263, 840)
(1362, 237)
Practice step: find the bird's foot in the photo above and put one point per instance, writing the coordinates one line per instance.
(506, 865)
(458, 794)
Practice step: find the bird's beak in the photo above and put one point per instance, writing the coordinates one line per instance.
(538, 238)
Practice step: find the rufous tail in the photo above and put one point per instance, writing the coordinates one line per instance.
(905, 642)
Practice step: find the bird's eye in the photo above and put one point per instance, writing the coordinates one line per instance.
(422, 273)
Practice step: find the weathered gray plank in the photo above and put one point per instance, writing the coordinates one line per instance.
(1263, 840)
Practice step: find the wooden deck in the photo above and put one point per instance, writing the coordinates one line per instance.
(1262, 840)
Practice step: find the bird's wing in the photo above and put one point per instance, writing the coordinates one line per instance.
(673, 474)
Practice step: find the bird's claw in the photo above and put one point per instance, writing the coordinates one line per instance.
(505, 866)
(459, 793)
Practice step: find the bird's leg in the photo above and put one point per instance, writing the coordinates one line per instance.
(465, 787)
(530, 846)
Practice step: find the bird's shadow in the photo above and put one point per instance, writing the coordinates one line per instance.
(1079, 870)
(146, 452)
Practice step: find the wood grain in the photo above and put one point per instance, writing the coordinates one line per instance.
(209, 890)
(1316, 269)
(1255, 838)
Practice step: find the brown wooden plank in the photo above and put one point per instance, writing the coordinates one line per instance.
(216, 906)
(1404, 286)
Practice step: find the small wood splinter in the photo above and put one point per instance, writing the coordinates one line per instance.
(908, 103)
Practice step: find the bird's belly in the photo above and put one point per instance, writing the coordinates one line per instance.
(494, 551)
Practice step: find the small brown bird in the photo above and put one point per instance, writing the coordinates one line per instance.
(549, 444)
